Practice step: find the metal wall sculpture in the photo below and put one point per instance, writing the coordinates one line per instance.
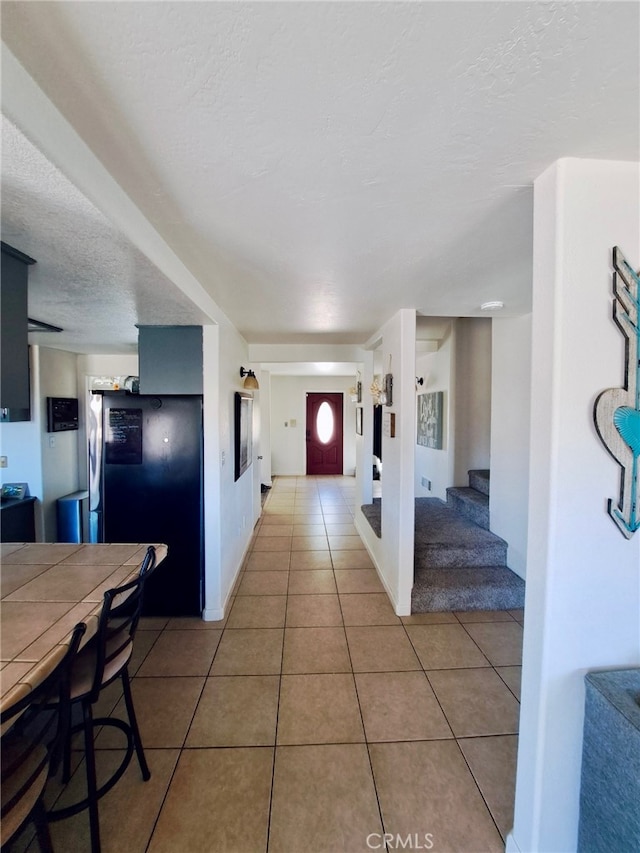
(617, 410)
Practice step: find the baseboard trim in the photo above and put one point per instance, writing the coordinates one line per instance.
(213, 615)
(510, 844)
(361, 524)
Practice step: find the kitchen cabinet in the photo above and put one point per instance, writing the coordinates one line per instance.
(170, 359)
(14, 354)
(17, 521)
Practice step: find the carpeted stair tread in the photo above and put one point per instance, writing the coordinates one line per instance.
(446, 539)
(438, 523)
(471, 503)
(458, 565)
(469, 494)
(478, 588)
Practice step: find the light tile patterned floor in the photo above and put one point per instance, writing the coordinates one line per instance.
(314, 718)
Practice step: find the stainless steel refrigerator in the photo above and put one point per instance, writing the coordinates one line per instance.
(146, 485)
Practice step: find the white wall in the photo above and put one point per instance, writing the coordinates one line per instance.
(583, 591)
(59, 450)
(235, 505)
(393, 552)
(510, 416)
(461, 368)
(364, 442)
(265, 426)
(437, 370)
(214, 598)
(472, 439)
(48, 462)
(288, 402)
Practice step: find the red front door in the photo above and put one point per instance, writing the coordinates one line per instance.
(324, 433)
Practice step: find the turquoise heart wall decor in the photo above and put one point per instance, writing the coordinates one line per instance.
(617, 410)
(627, 422)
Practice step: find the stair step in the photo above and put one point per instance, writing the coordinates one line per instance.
(446, 539)
(446, 556)
(480, 588)
(479, 479)
(473, 504)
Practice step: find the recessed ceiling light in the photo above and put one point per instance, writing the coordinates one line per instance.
(496, 305)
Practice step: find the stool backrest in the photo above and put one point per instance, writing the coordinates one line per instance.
(34, 726)
(119, 617)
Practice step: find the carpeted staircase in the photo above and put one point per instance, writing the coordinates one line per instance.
(459, 564)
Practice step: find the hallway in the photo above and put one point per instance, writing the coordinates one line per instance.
(313, 718)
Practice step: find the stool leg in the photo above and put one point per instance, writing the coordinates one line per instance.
(42, 828)
(90, 758)
(66, 757)
(128, 699)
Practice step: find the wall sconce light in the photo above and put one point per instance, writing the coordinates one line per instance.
(250, 382)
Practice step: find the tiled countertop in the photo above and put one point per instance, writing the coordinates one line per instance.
(47, 588)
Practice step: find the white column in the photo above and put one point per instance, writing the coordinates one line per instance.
(583, 586)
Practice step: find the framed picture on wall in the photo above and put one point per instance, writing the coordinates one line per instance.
(430, 413)
(243, 432)
(358, 420)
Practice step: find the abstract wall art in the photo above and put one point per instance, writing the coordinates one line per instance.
(430, 413)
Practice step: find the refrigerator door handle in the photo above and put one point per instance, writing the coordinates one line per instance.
(94, 438)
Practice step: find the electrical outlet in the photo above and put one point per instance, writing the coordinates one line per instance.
(52, 441)
(426, 483)
(4, 462)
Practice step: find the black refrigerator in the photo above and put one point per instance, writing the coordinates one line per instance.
(146, 485)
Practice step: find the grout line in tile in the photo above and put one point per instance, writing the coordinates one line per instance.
(274, 748)
(473, 776)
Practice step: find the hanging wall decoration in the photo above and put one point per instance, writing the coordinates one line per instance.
(355, 392)
(617, 410)
(388, 385)
(429, 427)
(377, 391)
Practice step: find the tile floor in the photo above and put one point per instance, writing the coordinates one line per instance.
(313, 718)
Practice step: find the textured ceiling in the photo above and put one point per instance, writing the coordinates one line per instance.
(318, 166)
(88, 279)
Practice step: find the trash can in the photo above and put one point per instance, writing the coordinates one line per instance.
(73, 517)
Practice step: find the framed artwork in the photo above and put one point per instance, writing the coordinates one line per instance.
(430, 413)
(358, 420)
(389, 424)
(243, 432)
